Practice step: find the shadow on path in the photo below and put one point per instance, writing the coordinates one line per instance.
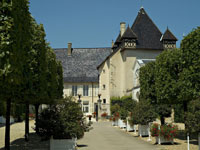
(34, 143)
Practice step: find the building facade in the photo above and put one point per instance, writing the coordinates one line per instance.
(137, 44)
(111, 71)
(80, 74)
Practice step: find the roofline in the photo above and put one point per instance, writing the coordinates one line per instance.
(123, 50)
(82, 48)
(149, 18)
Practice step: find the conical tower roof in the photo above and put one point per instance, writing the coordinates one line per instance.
(148, 34)
(168, 35)
(129, 34)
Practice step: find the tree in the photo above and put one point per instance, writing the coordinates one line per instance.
(122, 105)
(63, 120)
(15, 43)
(148, 90)
(143, 113)
(128, 104)
(192, 119)
(190, 77)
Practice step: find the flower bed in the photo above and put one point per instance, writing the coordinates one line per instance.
(104, 115)
(164, 133)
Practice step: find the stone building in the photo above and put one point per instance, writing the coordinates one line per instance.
(143, 41)
(80, 74)
(109, 71)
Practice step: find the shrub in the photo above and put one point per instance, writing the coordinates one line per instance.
(114, 108)
(143, 113)
(192, 117)
(168, 131)
(155, 130)
(63, 120)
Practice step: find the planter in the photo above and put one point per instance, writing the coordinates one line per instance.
(121, 123)
(62, 144)
(162, 140)
(3, 120)
(143, 130)
(130, 128)
(115, 123)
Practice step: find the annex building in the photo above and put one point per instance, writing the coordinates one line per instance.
(113, 71)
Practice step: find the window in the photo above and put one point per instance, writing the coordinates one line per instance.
(86, 106)
(96, 90)
(104, 86)
(104, 71)
(74, 90)
(104, 101)
(85, 90)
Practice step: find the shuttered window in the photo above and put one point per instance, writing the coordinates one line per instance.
(74, 90)
(85, 90)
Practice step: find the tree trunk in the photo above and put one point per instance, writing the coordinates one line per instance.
(7, 133)
(27, 122)
(36, 117)
(162, 120)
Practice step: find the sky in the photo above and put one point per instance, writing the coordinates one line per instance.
(95, 23)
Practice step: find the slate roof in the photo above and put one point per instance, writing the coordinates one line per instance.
(168, 35)
(148, 34)
(129, 34)
(81, 66)
(118, 40)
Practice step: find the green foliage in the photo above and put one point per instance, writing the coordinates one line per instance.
(114, 108)
(193, 116)
(148, 90)
(147, 83)
(190, 77)
(168, 131)
(2, 108)
(168, 67)
(143, 113)
(63, 120)
(178, 113)
(154, 130)
(18, 111)
(123, 106)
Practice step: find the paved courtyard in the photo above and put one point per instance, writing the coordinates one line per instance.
(106, 137)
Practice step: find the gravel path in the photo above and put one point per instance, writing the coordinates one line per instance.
(106, 137)
(17, 138)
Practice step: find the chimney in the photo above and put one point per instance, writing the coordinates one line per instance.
(122, 28)
(69, 50)
(112, 43)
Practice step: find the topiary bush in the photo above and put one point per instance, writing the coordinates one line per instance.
(143, 113)
(63, 120)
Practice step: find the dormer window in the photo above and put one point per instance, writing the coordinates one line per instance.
(129, 39)
(168, 40)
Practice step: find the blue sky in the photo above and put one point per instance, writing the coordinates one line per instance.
(94, 23)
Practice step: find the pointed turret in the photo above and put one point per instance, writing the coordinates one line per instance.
(117, 42)
(129, 39)
(148, 34)
(168, 40)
